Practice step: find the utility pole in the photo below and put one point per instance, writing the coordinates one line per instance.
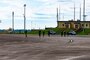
(80, 12)
(84, 7)
(12, 22)
(74, 12)
(84, 15)
(59, 14)
(57, 17)
(25, 31)
(31, 25)
(84, 10)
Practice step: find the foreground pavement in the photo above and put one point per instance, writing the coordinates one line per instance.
(17, 47)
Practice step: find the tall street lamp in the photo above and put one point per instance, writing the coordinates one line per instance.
(25, 31)
(84, 15)
(12, 22)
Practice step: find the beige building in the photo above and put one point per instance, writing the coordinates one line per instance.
(73, 24)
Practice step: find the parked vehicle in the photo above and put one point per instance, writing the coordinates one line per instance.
(71, 32)
(52, 32)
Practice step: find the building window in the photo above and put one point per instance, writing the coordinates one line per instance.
(82, 24)
(86, 25)
(67, 26)
(76, 26)
(62, 24)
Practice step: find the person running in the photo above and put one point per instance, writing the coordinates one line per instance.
(62, 33)
(25, 33)
(39, 33)
(48, 33)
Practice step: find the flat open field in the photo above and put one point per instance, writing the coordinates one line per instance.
(17, 47)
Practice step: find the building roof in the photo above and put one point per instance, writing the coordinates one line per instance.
(74, 21)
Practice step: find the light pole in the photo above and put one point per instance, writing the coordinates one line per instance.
(12, 22)
(84, 10)
(74, 11)
(25, 31)
(31, 25)
(84, 15)
(57, 17)
(80, 13)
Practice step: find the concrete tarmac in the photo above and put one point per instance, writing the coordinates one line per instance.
(17, 47)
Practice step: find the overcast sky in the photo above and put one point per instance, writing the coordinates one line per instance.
(39, 13)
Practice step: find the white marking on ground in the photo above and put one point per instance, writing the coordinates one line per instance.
(4, 57)
(14, 51)
(13, 59)
(71, 58)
